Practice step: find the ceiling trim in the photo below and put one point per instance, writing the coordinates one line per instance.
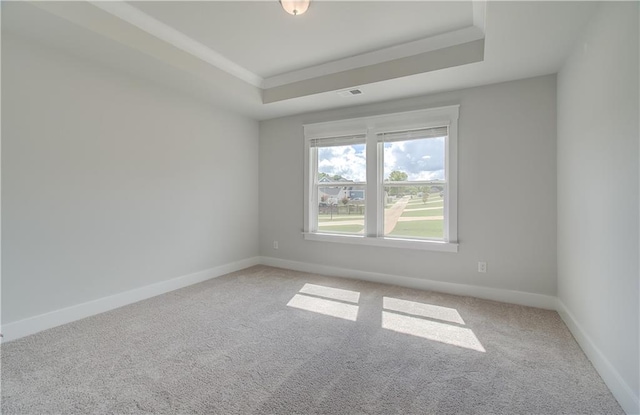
(176, 38)
(405, 50)
(455, 55)
(162, 31)
(396, 61)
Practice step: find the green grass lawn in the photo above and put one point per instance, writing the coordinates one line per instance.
(431, 202)
(327, 218)
(422, 213)
(419, 229)
(431, 229)
(341, 228)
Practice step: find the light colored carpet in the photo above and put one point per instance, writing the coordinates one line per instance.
(271, 341)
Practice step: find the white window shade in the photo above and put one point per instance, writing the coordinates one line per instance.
(338, 141)
(396, 136)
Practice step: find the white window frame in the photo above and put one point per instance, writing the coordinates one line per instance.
(374, 214)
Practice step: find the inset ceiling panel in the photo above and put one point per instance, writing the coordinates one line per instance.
(262, 38)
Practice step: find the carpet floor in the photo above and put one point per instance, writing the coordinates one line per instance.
(272, 341)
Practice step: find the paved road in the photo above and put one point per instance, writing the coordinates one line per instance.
(392, 214)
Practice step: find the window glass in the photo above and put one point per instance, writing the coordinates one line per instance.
(340, 186)
(384, 180)
(341, 209)
(414, 185)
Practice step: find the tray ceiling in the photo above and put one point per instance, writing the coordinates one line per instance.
(253, 58)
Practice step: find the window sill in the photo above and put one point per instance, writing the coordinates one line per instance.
(424, 245)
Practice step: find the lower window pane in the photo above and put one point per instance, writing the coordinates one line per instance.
(341, 209)
(414, 212)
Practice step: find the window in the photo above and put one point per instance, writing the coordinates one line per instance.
(339, 188)
(387, 180)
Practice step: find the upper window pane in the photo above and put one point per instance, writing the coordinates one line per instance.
(342, 163)
(420, 157)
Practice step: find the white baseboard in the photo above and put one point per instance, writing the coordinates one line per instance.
(620, 389)
(629, 401)
(506, 296)
(55, 318)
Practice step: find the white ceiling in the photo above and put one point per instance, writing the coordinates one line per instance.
(260, 37)
(521, 39)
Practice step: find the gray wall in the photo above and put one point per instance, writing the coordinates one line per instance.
(598, 186)
(110, 183)
(506, 197)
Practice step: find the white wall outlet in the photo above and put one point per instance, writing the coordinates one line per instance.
(275, 244)
(482, 267)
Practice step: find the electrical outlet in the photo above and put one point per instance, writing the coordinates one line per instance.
(482, 267)
(275, 244)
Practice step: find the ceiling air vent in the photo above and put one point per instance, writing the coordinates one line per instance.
(350, 92)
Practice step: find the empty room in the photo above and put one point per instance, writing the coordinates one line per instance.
(320, 207)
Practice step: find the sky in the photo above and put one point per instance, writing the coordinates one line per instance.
(421, 159)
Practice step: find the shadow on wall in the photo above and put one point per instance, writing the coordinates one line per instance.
(427, 321)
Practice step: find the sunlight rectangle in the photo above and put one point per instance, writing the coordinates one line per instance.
(431, 330)
(326, 307)
(422, 310)
(332, 293)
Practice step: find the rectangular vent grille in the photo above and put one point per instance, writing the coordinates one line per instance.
(350, 92)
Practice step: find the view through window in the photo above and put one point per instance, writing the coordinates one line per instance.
(386, 180)
(414, 183)
(340, 185)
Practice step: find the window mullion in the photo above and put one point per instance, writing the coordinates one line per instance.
(451, 176)
(380, 186)
(372, 195)
(313, 226)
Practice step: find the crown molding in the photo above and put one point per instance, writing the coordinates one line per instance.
(443, 58)
(399, 60)
(405, 50)
(162, 31)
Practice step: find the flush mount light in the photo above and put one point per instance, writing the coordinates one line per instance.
(295, 7)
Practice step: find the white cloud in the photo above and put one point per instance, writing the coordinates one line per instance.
(346, 161)
(421, 159)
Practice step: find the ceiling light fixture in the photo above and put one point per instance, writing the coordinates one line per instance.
(295, 7)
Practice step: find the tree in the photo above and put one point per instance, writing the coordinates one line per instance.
(397, 176)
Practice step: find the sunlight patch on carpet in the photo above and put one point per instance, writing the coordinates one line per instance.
(331, 293)
(431, 330)
(326, 307)
(422, 310)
